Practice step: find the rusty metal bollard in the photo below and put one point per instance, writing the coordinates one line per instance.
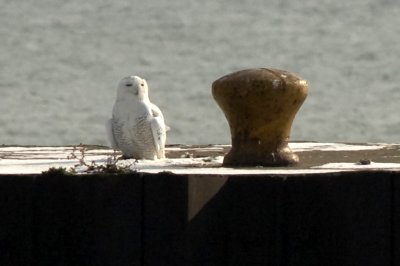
(260, 105)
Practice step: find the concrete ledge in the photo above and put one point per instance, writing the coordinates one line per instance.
(204, 159)
(285, 217)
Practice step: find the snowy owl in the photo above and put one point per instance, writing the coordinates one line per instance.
(137, 126)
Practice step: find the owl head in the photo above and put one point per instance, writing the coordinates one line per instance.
(133, 87)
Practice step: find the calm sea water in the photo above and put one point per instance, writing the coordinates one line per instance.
(60, 62)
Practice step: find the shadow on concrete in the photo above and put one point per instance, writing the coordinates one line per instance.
(341, 219)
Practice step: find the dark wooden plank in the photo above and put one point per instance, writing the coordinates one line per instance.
(165, 212)
(337, 219)
(396, 219)
(238, 225)
(87, 220)
(15, 220)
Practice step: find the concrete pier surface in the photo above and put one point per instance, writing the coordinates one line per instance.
(339, 206)
(202, 159)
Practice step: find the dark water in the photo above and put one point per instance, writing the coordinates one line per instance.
(60, 62)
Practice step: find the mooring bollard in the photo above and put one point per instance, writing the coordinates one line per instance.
(260, 105)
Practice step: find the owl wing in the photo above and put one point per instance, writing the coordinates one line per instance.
(159, 136)
(155, 111)
(110, 134)
(159, 131)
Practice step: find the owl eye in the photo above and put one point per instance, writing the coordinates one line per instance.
(142, 84)
(129, 85)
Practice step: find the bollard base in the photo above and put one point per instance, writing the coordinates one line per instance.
(247, 155)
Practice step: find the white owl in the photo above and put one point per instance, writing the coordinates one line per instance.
(137, 126)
